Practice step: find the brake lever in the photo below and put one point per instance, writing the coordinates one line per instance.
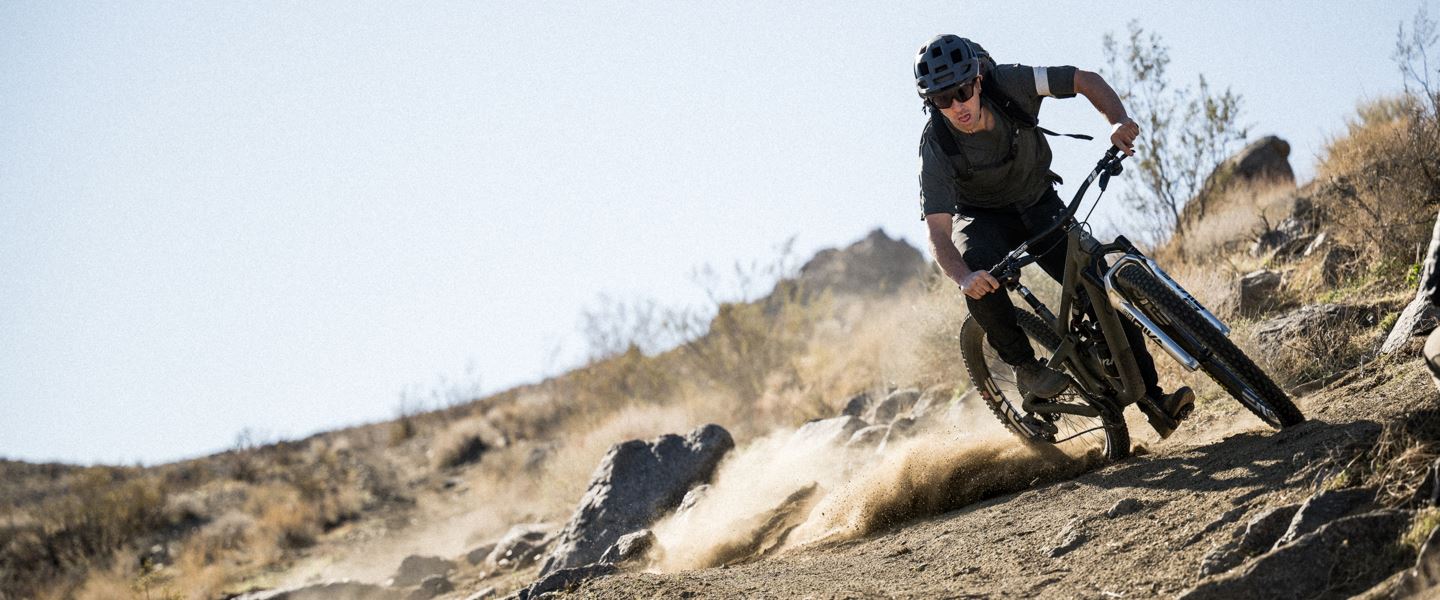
(1110, 167)
(1005, 274)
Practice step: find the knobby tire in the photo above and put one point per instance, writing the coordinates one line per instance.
(1224, 362)
(972, 350)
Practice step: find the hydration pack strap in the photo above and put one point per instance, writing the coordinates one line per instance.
(1078, 136)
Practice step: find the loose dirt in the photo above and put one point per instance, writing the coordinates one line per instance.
(881, 536)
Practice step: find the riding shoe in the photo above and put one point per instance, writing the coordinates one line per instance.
(1040, 380)
(1176, 406)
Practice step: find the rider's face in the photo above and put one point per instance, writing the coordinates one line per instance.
(965, 115)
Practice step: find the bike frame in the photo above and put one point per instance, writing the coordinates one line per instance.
(1088, 277)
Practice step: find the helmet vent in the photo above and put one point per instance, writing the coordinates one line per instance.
(956, 55)
(924, 69)
(935, 52)
(942, 68)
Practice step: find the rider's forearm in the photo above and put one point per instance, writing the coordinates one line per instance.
(949, 258)
(1099, 93)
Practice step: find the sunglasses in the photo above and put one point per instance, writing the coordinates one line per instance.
(960, 93)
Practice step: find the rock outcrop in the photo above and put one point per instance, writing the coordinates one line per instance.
(1345, 556)
(1257, 291)
(1266, 160)
(877, 264)
(636, 483)
(1304, 321)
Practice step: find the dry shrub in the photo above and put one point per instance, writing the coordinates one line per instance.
(1378, 179)
(1320, 354)
(1233, 220)
(464, 442)
(1395, 463)
(112, 583)
(219, 540)
(283, 521)
(201, 579)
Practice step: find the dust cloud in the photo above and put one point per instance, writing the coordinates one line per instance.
(783, 491)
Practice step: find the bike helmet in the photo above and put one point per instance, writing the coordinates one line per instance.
(944, 62)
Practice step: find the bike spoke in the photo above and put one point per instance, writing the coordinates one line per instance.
(1085, 431)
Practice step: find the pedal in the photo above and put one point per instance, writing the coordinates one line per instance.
(1039, 424)
(1159, 421)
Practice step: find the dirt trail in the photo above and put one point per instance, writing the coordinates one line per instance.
(1224, 463)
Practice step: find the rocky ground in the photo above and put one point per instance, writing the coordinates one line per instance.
(1141, 527)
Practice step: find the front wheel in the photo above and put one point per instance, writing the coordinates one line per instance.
(995, 381)
(1222, 360)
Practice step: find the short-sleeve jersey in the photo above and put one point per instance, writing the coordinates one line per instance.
(994, 182)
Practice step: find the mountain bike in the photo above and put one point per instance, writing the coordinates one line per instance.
(1102, 284)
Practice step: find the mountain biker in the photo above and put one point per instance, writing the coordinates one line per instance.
(1000, 190)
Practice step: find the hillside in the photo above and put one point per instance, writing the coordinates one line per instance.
(849, 457)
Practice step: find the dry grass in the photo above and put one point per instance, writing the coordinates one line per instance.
(1395, 463)
(1233, 221)
(1378, 178)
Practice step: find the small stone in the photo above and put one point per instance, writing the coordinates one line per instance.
(857, 405)
(1126, 506)
(415, 568)
(478, 555)
(433, 586)
(1072, 536)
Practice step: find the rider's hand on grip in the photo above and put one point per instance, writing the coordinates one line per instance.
(978, 283)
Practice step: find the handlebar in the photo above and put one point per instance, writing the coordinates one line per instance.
(1007, 272)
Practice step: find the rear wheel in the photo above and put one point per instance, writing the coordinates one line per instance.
(1224, 362)
(995, 380)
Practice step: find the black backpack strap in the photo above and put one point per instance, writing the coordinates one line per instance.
(1078, 136)
(1018, 114)
(942, 133)
(946, 139)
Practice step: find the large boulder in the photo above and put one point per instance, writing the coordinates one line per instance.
(1264, 161)
(636, 483)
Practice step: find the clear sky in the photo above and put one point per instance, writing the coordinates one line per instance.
(281, 216)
